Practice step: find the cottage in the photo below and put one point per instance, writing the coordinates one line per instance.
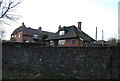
(70, 36)
(27, 34)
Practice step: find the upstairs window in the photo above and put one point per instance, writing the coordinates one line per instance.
(73, 41)
(19, 35)
(35, 36)
(61, 32)
(61, 42)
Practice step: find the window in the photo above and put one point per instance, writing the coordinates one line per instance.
(18, 35)
(61, 42)
(12, 35)
(35, 36)
(73, 41)
(51, 43)
(62, 33)
(26, 41)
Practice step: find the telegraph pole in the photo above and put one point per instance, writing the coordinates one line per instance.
(102, 35)
(96, 33)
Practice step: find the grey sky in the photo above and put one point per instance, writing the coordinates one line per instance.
(49, 14)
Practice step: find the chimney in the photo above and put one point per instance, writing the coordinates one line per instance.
(79, 25)
(23, 25)
(59, 27)
(40, 28)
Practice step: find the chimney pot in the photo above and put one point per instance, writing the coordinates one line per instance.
(23, 25)
(40, 28)
(79, 25)
(59, 27)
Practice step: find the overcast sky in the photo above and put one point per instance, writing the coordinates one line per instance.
(49, 14)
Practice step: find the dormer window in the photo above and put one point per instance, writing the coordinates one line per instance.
(19, 35)
(61, 32)
(35, 36)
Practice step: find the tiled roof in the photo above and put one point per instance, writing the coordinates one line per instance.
(30, 32)
(84, 36)
(16, 31)
(70, 32)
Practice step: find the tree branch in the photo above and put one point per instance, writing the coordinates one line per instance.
(6, 6)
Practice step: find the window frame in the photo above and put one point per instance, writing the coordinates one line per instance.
(61, 42)
(35, 36)
(19, 35)
(51, 43)
(61, 32)
(71, 41)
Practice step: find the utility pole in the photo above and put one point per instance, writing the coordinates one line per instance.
(119, 22)
(96, 33)
(102, 35)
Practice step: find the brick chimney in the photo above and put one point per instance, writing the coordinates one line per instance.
(79, 25)
(59, 28)
(40, 28)
(23, 25)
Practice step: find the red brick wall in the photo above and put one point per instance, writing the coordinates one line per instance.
(28, 38)
(68, 43)
(19, 37)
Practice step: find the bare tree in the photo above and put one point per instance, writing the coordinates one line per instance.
(112, 41)
(1, 34)
(6, 10)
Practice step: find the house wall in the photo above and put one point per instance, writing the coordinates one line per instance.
(81, 43)
(68, 43)
(79, 62)
(19, 37)
(28, 38)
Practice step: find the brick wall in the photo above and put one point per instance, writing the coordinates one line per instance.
(68, 43)
(79, 62)
(19, 37)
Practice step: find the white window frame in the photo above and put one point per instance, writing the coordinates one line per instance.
(26, 41)
(61, 42)
(19, 35)
(51, 42)
(62, 32)
(35, 36)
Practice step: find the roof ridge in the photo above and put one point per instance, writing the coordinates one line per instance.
(48, 31)
(69, 26)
